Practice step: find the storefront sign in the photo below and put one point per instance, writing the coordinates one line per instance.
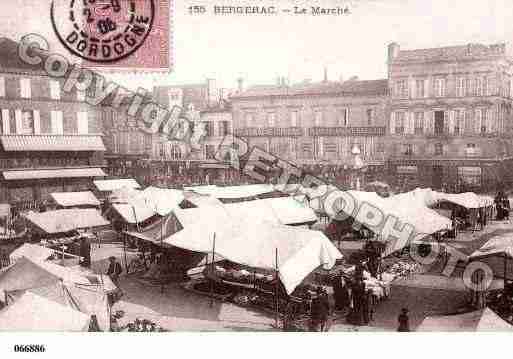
(346, 131)
(269, 132)
(407, 169)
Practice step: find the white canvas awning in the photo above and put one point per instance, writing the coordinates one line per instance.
(33, 252)
(72, 199)
(32, 312)
(65, 220)
(299, 250)
(164, 200)
(113, 184)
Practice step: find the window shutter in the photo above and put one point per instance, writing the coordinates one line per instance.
(451, 121)
(37, 122)
(392, 123)
(19, 121)
(477, 121)
(6, 121)
(468, 121)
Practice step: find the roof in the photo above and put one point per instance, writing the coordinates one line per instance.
(448, 53)
(27, 273)
(113, 184)
(346, 88)
(34, 313)
(65, 220)
(164, 200)
(498, 245)
(296, 251)
(53, 173)
(134, 213)
(291, 210)
(51, 143)
(70, 199)
(33, 252)
(483, 320)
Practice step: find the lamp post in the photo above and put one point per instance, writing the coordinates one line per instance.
(358, 166)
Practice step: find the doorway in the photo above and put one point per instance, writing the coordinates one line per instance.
(439, 122)
(438, 176)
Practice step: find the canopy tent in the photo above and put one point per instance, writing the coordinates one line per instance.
(164, 200)
(497, 253)
(258, 211)
(429, 198)
(299, 251)
(123, 195)
(113, 184)
(291, 210)
(33, 252)
(233, 192)
(65, 220)
(26, 274)
(32, 312)
(74, 199)
(135, 212)
(90, 300)
(483, 320)
(199, 200)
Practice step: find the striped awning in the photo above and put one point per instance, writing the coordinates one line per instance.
(53, 173)
(51, 143)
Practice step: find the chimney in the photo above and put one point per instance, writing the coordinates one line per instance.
(240, 84)
(325, 74)
(393, 51)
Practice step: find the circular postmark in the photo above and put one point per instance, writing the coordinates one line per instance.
(102, 30)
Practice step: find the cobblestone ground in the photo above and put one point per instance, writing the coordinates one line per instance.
(424, 294)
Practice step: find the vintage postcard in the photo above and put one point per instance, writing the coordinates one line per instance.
(255, 165)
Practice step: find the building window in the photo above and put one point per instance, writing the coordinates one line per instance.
(485, 87)
(439, 87)
(419, 123)
(55, 90)
(400, 120)
(2, 86)
(176, 152)
(26, 91)
(249, 119)
(343, 115)
(27, 122)
(459, 121)
(419, 88)
(481, 120)
(209, 128)
(439, 149)
(294, 118)
(460, 87)
(402, 88)
(470, 176)
(478, 87)
(56, 122)
(223, 128)
(407, 149)
(317, 118)
(471, 149)
(370, 116)
(271, 119)
(82, 123)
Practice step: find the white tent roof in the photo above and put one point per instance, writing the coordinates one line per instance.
(299, 250)
(256, 211)
(484, 320)
(468, 199)
(164, 200)
(70, 199)
(65, 220)
(291, 210)
(201, 200)
(232, 192)
(113, 184)
(34, 313)
(502, 244)
(33, 252)
(134, 212)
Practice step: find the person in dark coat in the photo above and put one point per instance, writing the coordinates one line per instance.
(404, 321)
(320, 311)
(340, 292)
(358, 291)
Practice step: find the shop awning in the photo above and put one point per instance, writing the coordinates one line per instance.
(114, 184)
(65, 220)
(71, 199)
(53, 173)
(52, 143)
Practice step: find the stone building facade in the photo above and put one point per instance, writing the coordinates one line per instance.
(315, 124)
(449, 118)
(51, 140)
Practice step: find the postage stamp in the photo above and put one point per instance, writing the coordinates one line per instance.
(115, 35)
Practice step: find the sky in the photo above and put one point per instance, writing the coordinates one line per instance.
(261, 48)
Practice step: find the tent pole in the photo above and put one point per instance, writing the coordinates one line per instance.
(505, 268)
(124, 250)
(212, 271)
(276, 289)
